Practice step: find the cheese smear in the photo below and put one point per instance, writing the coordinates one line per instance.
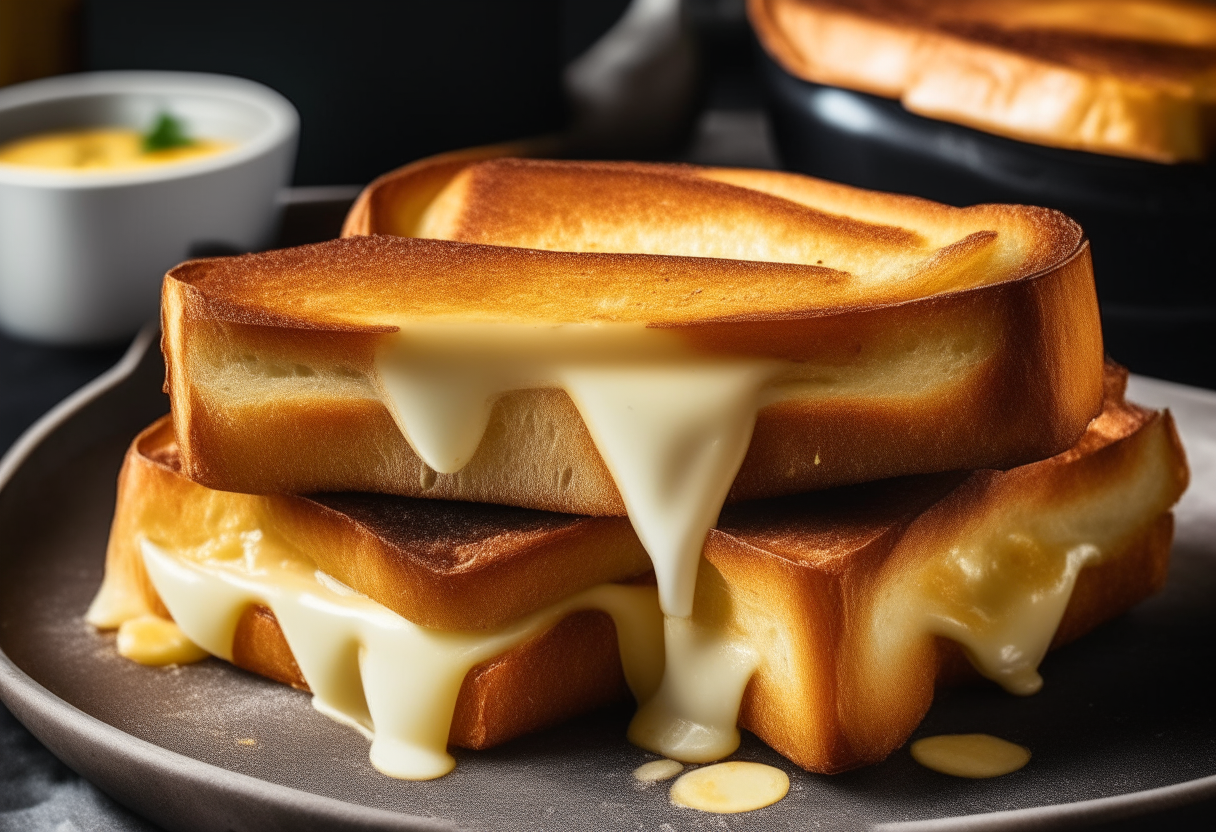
(976, 756)
(151, 640)
(730, 788)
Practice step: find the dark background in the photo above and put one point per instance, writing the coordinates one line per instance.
(377, 83)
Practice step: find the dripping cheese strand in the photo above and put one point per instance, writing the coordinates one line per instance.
(367, 666)
(671, 426)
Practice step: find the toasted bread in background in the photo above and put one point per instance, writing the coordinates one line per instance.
(925, 337)
(817, 582)
(1124, 78)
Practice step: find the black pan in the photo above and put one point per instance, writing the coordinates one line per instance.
(1149, 224)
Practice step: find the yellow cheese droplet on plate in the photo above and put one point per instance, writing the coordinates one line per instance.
(153, 640)
(728, 788)
(970, 755)
(657, 770)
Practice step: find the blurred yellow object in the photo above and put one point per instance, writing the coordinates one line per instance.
(37, 38)
(99, 149)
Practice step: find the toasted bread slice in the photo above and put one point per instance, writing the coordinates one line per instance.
(880, 591)
(444, 565)
(855, 601)
(913, 337)
(448, 566)
(1121, 78)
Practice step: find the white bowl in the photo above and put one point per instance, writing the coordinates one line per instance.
(82, 255)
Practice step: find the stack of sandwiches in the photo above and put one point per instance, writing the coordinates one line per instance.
(756, 450)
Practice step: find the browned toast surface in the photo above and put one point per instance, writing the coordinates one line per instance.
(859, 239)
(570, 669)
(1124, 78)
(925, 337)
(378, 284)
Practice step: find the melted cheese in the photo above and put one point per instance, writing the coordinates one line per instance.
(367, 666)
(970, 755)
(397, 682)
(657, 770)
(672, 427)
(1000, 594)
(693, 715)
(1002, 589)
(1003, 602)
(100, 149)
(672, 424)
(729, 788)
(151, 640)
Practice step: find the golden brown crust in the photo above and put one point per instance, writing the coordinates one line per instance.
(1002, 294)
(724, 213)
(402, 196)
(570, 669)
(259, 646)
(1118, 78)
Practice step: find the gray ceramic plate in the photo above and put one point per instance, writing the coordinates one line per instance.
(1125, 724)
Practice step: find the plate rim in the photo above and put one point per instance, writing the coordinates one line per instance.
(52, 719)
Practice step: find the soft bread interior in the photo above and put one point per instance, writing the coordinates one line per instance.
(843, 596)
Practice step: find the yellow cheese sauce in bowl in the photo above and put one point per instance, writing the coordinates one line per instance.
(101, 149)
(109, 179)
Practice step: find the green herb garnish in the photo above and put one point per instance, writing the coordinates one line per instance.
(166, 134)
